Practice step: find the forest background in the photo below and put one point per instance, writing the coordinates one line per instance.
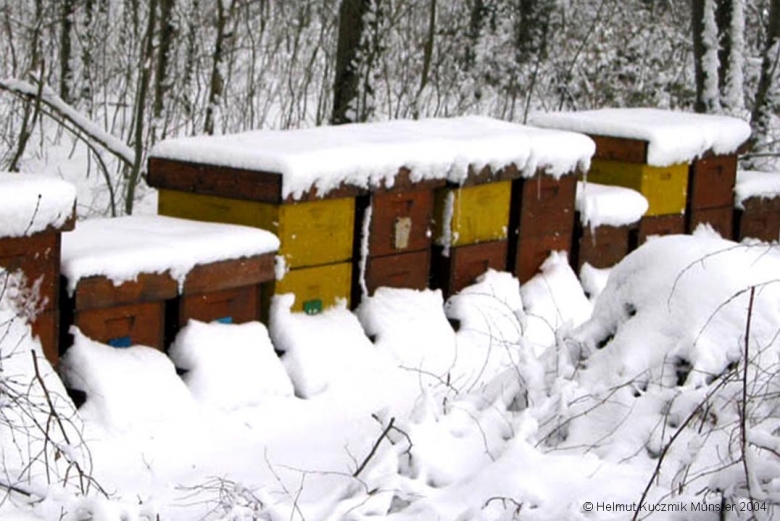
(113, 77)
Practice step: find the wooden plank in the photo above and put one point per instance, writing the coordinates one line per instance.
(100, 292)
(532, 251)
(711, 182)
(546, 205)
(400, 221)
(660, 225)
(721, 219)
(665, 188)
(465, 264)
(403, 270)
(233, 183)
(233, 306)
(38, 257)
(46, 327)
(402, 182)
(228, 274)
(214, 180)
(620, 149)
(479, 213)
(122, 326)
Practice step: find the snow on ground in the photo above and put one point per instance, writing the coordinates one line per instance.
(504, 402)
(121, 248)
(603, 205)
(368, 154)
(673, 137)
(755, 184)
(32, 203)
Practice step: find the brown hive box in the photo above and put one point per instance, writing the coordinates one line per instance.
(398, 248)
(603, 246)
(542, 220)
(711, 182)
(720, 218)
(660, 225)
(760, 219)
(43, 208)
(463, 264)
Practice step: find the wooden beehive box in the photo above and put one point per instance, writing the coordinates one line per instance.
(682, 163)
(757, 206)
(542, 220)
(393, 235)
(606, 224)
(138, 280)
(464, 264)
(34, 211)
(660, 225)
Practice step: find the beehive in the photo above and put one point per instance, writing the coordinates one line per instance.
(138, 280)
(473, 214)
(393, 235)
(542, 220)
(759, 218)
(34, 211)
(682, 163)
(660, 225)
(318, 287)
(462, 265)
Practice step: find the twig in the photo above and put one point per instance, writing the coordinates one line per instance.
(743, 419)
(374, 448)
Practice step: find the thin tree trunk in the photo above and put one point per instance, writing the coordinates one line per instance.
(767, 95)
(217, 83)
(162, 79)
(140, 105)
(705, 55)
(731, 27)
(346, 84)
(66, 68)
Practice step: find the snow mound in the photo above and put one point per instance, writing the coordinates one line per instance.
(755, 184)
(554, 300)
(673, 137)
(601, 205)
(411, 326)
(323, 352)
(124, 386)
(33, 203)
(368, 154)
(229, 365)
(676, 310)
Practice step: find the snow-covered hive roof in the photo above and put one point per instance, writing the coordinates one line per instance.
(124, 247)
(368, 155)
(32, 203)
(672, 137)
(602, 205)
(755, 184)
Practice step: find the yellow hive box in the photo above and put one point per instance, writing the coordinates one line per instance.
(665, 188)
(479, 213)
(317, 288)
(311, 233)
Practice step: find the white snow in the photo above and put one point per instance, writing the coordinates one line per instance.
(673, 137)
(229, 366)
(755, 184)
(123, 247)
(603, 205)
(368, 154)
(32, 203)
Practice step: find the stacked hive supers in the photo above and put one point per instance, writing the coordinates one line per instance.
(138, 280)
(34, 211)
(353, 203)
(682, 163)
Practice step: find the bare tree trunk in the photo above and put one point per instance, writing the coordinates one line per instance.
(217, 83)
(731, 27)
(162, 79)
(66, 35)
(768, 92)
(705, 55)
(140, 105)
(346, 84)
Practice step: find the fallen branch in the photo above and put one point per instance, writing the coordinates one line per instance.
(374, 448)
